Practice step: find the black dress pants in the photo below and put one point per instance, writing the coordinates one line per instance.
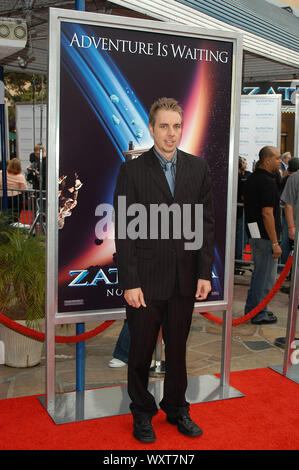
(175, 316)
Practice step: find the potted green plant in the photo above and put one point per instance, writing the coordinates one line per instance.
(22, 293)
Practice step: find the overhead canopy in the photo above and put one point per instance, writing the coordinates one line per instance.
(255, 16)
(264, 25)
(271, 34)
(264, 58)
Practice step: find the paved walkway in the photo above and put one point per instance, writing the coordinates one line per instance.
(252, 347)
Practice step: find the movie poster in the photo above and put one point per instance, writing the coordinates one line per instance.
(109, 77)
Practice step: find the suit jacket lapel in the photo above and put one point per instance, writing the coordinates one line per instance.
(159, 176)
(158, 173)
(181, 168)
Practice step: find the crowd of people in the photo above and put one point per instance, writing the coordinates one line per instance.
(288, 166)
(34, 178)
(269, 230)
(18, 180)
(271, 175)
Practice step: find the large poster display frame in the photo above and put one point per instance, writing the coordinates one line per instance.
(57, 16)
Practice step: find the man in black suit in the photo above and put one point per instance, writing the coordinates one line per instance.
(160, 270)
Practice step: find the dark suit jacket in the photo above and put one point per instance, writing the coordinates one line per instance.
(159, 266)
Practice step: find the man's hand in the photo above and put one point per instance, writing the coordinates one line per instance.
(291, 233)
(276, 251)
(203, 289)
(134, 297)
(289, 213)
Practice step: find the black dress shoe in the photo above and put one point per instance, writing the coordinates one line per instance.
(267, 319)
(143, 431)
(185, 425)
(281, 342)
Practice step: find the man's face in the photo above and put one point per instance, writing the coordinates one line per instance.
(167, 132)
(287, 158)
(275, 161)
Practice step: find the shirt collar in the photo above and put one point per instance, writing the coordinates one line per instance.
(164, 160)
(262, 170)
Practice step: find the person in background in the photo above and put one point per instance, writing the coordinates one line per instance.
(293, 166)
(33, 168)
(121, 350)
(15, 180)
(286, 246)
(262, 216)
(290, 198)
(241, 235)
(285, 158)
(34, 156)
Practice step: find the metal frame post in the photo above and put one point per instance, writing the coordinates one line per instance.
(80, 327)
(80, 359)
(3, 143)
(226, 348)
(293, 302)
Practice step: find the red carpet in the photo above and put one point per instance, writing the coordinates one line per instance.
(265, 419)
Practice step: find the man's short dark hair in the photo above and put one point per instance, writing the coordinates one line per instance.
(293, 165)
(168, 104)
(265, 152)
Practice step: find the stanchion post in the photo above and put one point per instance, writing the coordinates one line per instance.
(226, 347)
(80, 359)
(293, 302)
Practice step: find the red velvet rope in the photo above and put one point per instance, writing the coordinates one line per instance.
(262, 304)
(40, 336)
